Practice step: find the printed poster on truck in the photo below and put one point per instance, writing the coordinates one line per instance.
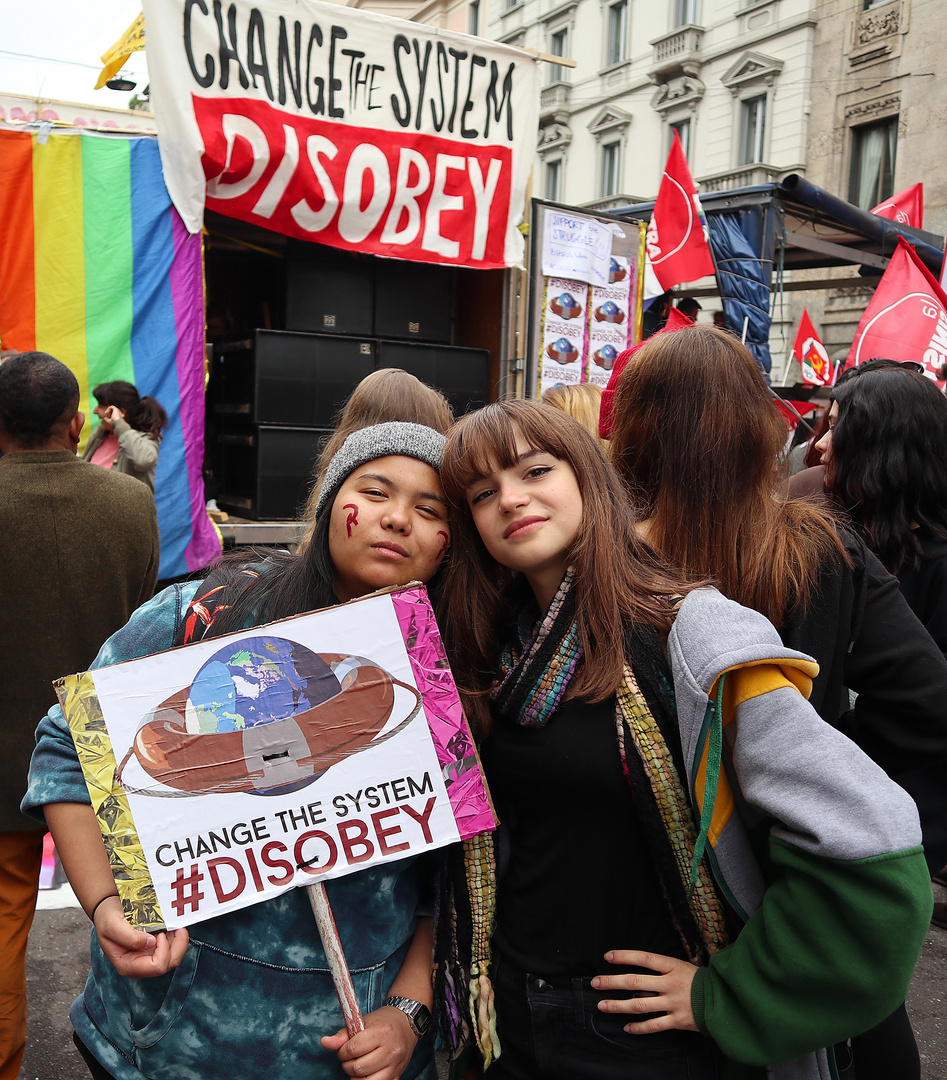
(588, 318)
(228, 771)
(344, 127)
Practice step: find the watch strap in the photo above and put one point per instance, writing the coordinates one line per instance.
(419, 1015)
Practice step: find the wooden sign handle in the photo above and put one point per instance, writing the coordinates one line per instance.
(341, 977)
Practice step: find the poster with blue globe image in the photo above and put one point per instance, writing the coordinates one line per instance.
(229, 771)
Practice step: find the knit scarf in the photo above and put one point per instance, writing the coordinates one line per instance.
(536, 669)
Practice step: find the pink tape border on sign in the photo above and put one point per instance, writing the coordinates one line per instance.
(452, 741)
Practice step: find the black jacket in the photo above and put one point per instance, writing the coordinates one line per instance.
(866, 638)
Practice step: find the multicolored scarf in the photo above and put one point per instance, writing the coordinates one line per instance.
(536, 669)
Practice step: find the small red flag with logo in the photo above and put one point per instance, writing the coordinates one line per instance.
(676, 242)
(817, 368)
(906, 319)
(906, 207)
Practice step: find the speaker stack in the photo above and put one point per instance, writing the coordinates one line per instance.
(278, 392)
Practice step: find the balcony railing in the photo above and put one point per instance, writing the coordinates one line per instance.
(677, 51)
(554, 96)
(743, 176)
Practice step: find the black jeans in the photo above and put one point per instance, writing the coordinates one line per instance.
(555, 1031)
(98, 1071)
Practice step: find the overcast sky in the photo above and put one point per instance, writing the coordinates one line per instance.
(52, 48)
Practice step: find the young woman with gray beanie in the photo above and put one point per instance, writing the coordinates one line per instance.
(252, 995)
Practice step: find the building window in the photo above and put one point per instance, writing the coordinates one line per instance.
(611, 168)
(559, 46)
(683, 129)
(473, 18)
(512, 4)
(617, 32)
(685, 12)
(554, 180)
(874, 147)
(752, 129)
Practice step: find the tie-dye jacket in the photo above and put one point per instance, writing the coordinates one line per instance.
(253, 995)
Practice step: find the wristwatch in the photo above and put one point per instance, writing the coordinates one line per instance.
(419, 1016)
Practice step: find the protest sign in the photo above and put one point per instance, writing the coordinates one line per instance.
(576, 246)
(344, 127)
(229, 771)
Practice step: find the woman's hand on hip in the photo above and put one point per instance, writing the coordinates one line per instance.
(668, 992)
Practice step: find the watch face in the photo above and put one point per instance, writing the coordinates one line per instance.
(422, 1019)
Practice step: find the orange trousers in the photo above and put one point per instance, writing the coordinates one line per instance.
(21, 855)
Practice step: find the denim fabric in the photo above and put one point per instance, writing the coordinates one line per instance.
(555, 1031)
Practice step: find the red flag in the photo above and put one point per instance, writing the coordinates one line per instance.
(906, 319)
(676, 242)
(817, 368)
(906, 208)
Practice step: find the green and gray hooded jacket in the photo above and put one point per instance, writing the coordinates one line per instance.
(813, 846)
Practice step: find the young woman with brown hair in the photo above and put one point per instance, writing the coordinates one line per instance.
(622, 844)
(696, 440)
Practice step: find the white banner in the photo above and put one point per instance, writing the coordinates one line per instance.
(344, 127)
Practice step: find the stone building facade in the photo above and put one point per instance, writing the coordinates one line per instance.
(878, 122)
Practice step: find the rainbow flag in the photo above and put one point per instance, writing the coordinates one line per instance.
(97, 268)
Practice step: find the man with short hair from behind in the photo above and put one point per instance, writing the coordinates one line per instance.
(78, 554)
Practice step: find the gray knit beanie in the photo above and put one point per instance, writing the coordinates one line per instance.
(380, 440)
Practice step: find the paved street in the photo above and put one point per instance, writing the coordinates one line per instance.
(58, 960)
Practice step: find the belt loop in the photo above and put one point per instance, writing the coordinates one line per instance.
(580, 988)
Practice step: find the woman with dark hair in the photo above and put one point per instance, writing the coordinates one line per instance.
(250, 994)
(712, 506)
(885, 456)
(386, 395)
(624, 843)
(128, 436)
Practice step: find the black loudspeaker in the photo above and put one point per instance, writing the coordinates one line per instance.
(292, 379)
(266, 472)
(414, 301)
(329, 290)
(461, 375)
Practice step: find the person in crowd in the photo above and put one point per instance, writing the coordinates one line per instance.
(656, 316)
(386, 395)
(582, 401)
(689, 307)
(250, 993)
(626, 846)
(810, 480)
(66, 584)
(882, 455)
(128, 437)
(887, 426)
(711, 506)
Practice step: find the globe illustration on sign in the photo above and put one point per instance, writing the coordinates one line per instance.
(255, 681)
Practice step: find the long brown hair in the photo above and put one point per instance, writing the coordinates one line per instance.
(696, 439)
(617, 581)
(384, 395)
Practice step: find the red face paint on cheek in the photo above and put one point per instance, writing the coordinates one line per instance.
(352, 519)
(445, 543)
